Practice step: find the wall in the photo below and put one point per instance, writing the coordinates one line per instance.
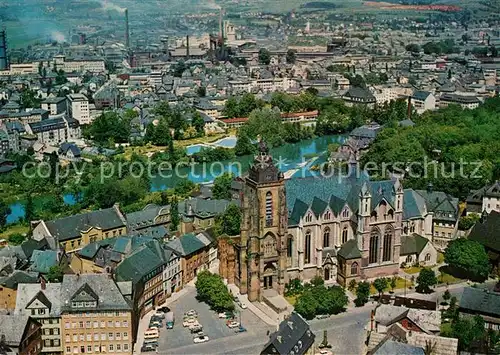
(7, 298)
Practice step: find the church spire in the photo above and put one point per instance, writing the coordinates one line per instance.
(263, 169)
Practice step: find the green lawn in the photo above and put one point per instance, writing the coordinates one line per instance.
(440, 258)
(17, 228)
(291, 299)
(400, 284)
(447, 278)
(413, 270)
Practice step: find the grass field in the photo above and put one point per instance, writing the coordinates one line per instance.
(400, 284)
(15, 229)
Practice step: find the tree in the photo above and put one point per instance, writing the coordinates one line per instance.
(222, 186)
(55, 274)
(264, 56)
(17, 239)
(352, 285)
(4, 212)
(425, 280)
(380, 285)
(212, 290)
(174, 215)
(362, 293)
(469, 257)
(230, 220)
(412, 47)
(306, 305)
(393, 283)
(467, 222)
(201, 91)
(198, 123)
(29, 209)
(291, 56)
(469, 331)
(244, 145)
(446, 296)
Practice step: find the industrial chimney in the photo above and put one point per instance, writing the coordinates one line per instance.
(187, 47)
(127, 33)
(4, 60)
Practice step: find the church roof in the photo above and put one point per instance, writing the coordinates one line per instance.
(349, 250)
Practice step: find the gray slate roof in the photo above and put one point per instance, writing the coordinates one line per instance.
(413, 205)
(412, 244)
(70, 227)
(102, 285)
(27, 292)
(391, 347)
(480, 301)
(12, 327)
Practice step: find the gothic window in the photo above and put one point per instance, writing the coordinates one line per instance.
(309, 217)
(387, 250)
(326, 238)
(374, 216)
(354, 268)
(269, 246)
(390, 214)
(427, 257)
(412, 228)
(307, 248)
(405, 230)
(327, 216)
(289, 244)
(373, 248)
(269, 209)
(345, 213)
(344, 235)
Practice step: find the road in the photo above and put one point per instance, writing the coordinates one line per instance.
(346, 332)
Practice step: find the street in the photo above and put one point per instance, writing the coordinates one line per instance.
(346, 331)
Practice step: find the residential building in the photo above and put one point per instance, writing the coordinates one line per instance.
(55, 105)
(96, 315)
(150, 216)
(486, 199)
(417, 250)
(172, 274)
(5, 147)
(144, 268)
(466, 102)
(194, 252)
(293, 336)
(444, 209)
(74, 232)
(55, 131)
(412, 319)
(69, 152)
(21, 334)
(9, 286)
(78, 108)
(416, 218)
(359, 96)
(423, 101)
(42, 302)
(81, 65)
(482, 302)
(198, 213)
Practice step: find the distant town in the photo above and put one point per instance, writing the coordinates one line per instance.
(250, 177)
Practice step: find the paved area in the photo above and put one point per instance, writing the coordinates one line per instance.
(222, 339)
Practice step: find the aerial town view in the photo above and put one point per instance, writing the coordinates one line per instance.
(281, 177)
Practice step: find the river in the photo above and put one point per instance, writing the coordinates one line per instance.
(290, 156)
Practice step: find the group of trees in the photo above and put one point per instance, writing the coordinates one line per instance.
(209, 155)
(211, 290)
(469, 258)
(228, 223)
(222, 186)
(441, 47)
(444, 147)
(317, 299)
(241, 106)
(109, 128)
(425, 280)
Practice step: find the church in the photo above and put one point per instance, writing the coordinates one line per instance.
(339, 228)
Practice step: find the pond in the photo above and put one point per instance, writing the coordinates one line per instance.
(297, 158)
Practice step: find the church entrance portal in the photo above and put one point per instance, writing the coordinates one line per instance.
(268, 282)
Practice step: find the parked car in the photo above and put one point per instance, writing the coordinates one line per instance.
(233, 324)
(147, 348)
(170, 320)
(159, 314)
(236, 299)
(195, 328)
(164, 309)
(240, 330)
(151, 333)
(222, 315)
(322, 316)
(243, 305)
(189, 322)
(201, 339)
(153, 342)
(191, 313)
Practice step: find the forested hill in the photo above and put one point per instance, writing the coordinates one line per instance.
(449, 137)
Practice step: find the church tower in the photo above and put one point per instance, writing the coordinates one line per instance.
(263, 228)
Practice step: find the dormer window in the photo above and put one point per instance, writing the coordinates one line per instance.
(345, 213)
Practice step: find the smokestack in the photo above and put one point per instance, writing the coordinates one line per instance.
(187, 47)
(127, 33)
(409, 107)
(4, 60)
(221, 35)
